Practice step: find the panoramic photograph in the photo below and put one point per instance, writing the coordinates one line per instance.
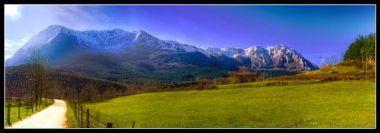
(189, 66)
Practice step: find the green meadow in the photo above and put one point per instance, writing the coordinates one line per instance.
(337, 104)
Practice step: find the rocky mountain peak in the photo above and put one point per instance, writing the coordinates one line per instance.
(52, 43)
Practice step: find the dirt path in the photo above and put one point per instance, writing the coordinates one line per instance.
(53, 116)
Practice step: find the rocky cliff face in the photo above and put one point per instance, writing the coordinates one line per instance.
(277, 57)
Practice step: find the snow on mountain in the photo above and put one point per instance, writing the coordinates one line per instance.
(286, 57)
(232, 52)
(104, 39)
(229, 52)
(42, 38)
(174, 45)
(259, 56)
(277, 56)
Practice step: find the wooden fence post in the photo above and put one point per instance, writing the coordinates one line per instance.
(109, 125)
(19, 106)
(81, 116)
(88, 118)
(77, 110)
(78, 114)
(9, 114)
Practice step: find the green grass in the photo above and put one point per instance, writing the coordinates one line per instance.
(336, 69)
(267, 82)
(24, 112)
(71, 121)
(340, 104)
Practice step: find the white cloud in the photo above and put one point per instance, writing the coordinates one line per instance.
(11, 46)
(82, 17)
(12, 11)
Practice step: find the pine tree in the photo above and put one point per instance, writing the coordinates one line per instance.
(362, 47)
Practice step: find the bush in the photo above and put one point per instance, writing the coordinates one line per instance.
(205, 84)
(276, 83)
(242, 75)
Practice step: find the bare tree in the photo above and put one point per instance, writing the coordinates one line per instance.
(38, 75)
(332, 60)
(88, 92)
(54, 90)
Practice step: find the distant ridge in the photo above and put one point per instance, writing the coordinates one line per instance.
(119, 50)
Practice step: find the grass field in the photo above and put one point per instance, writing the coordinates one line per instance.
(336, 69)
(71, 121)
(339, 104)
(24, 112)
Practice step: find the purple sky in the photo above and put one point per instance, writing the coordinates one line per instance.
(314, 31)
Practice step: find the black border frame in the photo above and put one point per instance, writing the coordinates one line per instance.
(181, 2)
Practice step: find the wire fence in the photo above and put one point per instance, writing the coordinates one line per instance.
(91, 118)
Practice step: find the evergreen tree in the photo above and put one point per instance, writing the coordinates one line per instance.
(362, 47)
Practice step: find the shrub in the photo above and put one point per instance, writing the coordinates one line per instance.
(242, 75)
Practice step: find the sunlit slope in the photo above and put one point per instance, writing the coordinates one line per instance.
(335, 70)
(341, 104)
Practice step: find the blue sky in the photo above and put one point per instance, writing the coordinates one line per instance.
(316, 31)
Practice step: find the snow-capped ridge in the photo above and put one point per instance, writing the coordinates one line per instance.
(273, 56)
(56, 26)
(118, 40)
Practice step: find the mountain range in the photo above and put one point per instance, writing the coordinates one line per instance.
(120, 55)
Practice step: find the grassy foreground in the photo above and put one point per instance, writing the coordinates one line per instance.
(340, 104)
(70, 121)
